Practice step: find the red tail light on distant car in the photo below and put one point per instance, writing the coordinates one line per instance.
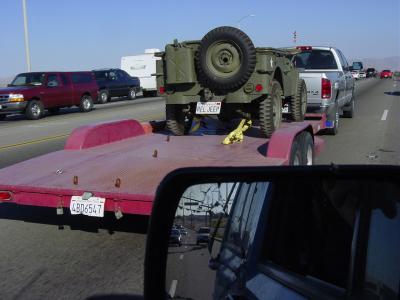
(5, 196)
(161, 90)
(326, 88)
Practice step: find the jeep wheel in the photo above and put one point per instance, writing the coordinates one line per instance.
(34, 110)
(103, 97)
(132, 94)
(86, 103)
(178, 118)
(226, 59)
(271, 110)
(298, 104)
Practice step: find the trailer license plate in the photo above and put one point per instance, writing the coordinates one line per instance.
(208, 108)
(93, 207)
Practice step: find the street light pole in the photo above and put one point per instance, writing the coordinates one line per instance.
(27, 53)
(242, 18)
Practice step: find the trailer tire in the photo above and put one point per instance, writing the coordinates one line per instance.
(34, 110)
(307, 145)
(298, 104)
(226, 59)
(103, 97)
(86, 104)
(178, 122)
(296, 153)
(271, 110)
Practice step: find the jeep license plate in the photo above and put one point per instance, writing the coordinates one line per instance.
(93, 207)
(208, 108)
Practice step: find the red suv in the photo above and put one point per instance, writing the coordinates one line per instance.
(386, 74)
(32, 93)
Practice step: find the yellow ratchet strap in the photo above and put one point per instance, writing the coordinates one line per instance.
(236, 136)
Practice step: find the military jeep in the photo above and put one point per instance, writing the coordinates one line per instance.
(225, 75)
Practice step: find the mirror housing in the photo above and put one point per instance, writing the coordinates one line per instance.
(175, 184)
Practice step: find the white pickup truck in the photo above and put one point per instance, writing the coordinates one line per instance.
(330, 85)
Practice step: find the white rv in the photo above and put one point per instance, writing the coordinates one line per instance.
(142, 66)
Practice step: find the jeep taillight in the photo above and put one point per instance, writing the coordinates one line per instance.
(326, 88)
(5, 196)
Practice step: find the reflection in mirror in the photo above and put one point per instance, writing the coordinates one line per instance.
(238, 239)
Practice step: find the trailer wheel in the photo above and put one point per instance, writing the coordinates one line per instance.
(296, 153)
(34, 110)
(298, 104)
(86, 103)
(178, 118)
(103, 97)
(271, 110)
(226, 59)
(307, 145)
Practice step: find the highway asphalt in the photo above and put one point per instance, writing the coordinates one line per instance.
(43, 262)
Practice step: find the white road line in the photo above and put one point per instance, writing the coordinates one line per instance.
(172, 289)
(181, 257)
(384, 116)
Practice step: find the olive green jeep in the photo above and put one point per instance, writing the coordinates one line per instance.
(225, 75)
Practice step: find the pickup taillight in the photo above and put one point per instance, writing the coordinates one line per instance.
(326, 89)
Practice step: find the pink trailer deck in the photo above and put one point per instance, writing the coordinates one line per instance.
(124, 161)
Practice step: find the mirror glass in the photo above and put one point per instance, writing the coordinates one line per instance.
(259, 239)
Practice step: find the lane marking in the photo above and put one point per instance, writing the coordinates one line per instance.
(172, 289)
(49, 138)
(34, 141)
(181, 257)
(384, 116)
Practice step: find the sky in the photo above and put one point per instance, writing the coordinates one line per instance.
(82, 35)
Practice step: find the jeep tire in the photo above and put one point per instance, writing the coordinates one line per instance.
(226, 59)
(298, 104)
(271, 110)
(179, 121)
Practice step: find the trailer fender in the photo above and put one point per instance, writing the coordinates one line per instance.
(103, 133)
(280, 143)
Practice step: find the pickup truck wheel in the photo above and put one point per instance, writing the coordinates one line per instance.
(179, 122)
(54, 110)
(132, 94)
(86, 103)
(298, 105)
(226, 59)
(307, 145)
(271, 110)
(34, 110)
(348, 110)
(334, 117)
(103, 97)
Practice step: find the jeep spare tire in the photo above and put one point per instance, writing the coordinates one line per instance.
(226, 59)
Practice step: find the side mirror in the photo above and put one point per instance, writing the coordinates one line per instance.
(227, 233)
(9, 85)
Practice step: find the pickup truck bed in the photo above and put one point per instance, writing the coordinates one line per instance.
(124, 161)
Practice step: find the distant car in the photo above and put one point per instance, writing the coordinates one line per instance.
(355, 74)
(34, 92)
(183, 231)
(116, 83)
(362, 74)
(203, 235)
(371, 72)
(175, 237)
(396, 76)
(386, 74)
